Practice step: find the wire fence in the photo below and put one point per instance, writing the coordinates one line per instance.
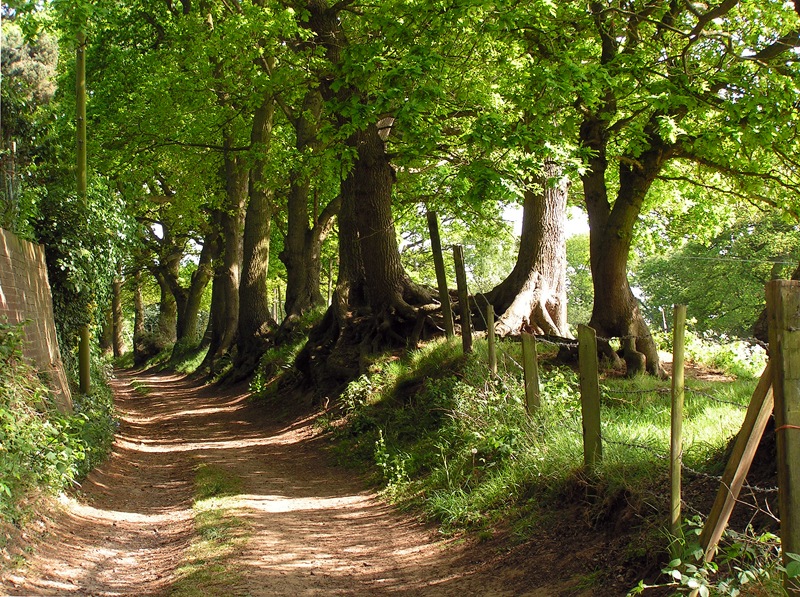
(660, 452)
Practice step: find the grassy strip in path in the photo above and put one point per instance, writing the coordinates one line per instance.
(210, 566)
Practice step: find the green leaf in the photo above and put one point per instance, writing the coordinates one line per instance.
(793, 568)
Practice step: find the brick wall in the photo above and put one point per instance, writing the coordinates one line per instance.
(25, 297)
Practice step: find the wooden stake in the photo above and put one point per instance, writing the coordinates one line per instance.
(744, 449)
(530, 367)
(783, 311)
(463, 298)
(441, 276)
(590, 396)
(676, 436)
(492, 339)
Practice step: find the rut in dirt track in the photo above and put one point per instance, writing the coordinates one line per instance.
(312, 528)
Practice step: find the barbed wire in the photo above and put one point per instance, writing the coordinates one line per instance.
(662, 456)
(718, 478)
(715, 399)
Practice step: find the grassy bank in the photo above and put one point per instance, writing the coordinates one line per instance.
(442, 437)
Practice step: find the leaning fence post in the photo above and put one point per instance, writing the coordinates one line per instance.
(491, 339)
(783, 311)
(463, 298)
(530, 367)
(441, 277)
(590, 396)
(744, 450)
(676, 436)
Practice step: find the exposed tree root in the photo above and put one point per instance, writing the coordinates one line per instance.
(340, 348)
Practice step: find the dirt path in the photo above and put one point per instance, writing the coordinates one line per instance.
(312, 529)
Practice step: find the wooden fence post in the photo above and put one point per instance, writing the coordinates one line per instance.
(530, 367)
(676, 435)
(463, 298)
(590, 396)
(744, 449)
(783, 311)
(441, 276)
(492, 339)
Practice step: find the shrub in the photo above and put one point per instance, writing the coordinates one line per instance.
(40, 447)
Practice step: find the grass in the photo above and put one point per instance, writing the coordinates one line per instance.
(442, 437)
(209, 567)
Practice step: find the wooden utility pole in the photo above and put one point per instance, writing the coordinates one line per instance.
(84, 353)
(463, 298)
(783, 312)
(441, 277)
(676, 435)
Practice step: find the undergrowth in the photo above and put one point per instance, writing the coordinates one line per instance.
(42, 449)
(439, 434)
(276, 366)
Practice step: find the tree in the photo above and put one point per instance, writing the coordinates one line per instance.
(652, 83)
(535, 293)
(722, 280)
(28, 71)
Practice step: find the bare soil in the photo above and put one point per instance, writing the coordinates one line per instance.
(313, 528)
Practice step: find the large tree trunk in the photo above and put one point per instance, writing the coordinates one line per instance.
(534, 294)
(375, 304)
(254, 316)
(302, 269)
(301, 254)
(368, 188)
(225, 294)
(615, 310)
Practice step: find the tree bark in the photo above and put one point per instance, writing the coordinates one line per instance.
(375, 304)
(305, 235)
(368, 189)
(534, 294)
(615, 311)
(225, 293)
(302, 267)
(189, 334)
(254, 316)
